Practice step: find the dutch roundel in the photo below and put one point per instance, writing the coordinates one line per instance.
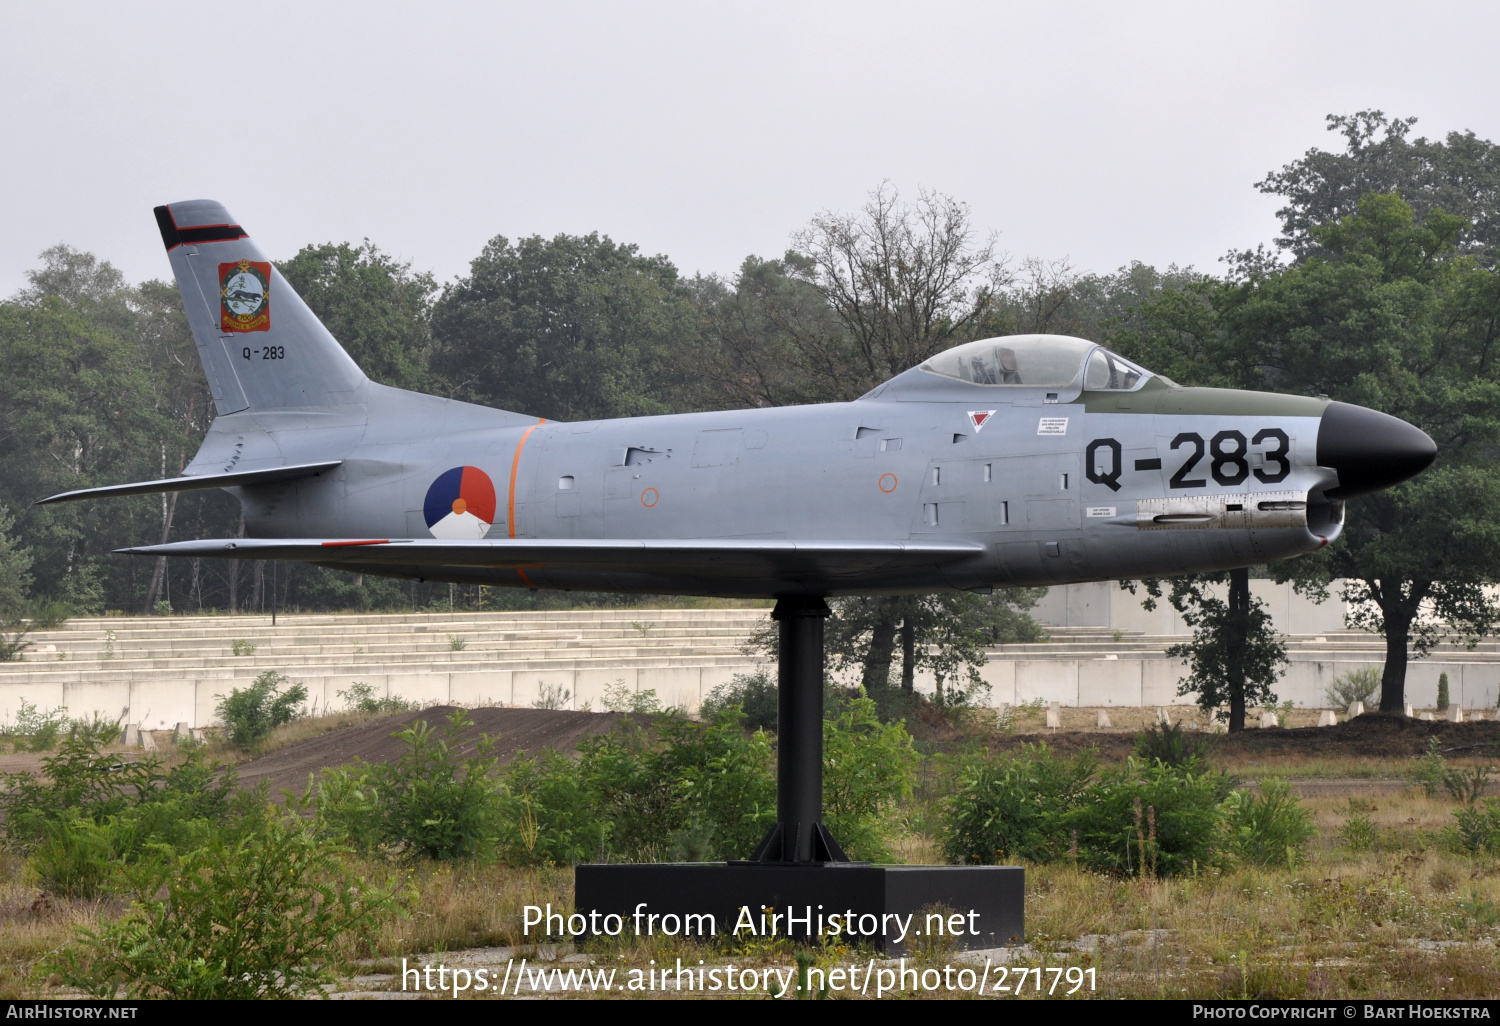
(460, 504)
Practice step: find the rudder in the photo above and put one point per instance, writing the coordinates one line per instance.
(261, 347)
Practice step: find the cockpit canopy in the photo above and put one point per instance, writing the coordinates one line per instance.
(1037, 361)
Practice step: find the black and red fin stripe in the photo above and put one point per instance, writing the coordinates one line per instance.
(173, 236)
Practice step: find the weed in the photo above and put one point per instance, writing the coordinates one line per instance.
(643, 629)
(1270, 828)
(1170, 745)
(241, 647)
(1357, 685)
(360, 697)
(456, 642)
(1283, 710)
(619, 697)
(1358, 831)
(1467, 785)
(249, 714)
(1430, 769)
(553, 696)
(162, 608)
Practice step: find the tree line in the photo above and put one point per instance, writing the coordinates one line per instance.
(1381, 290)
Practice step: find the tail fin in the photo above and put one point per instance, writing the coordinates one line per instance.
(261, 347)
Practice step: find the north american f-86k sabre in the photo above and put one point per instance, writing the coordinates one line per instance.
(1023, 460)
(1028, 459)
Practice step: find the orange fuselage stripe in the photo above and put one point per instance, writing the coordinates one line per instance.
(515, 465)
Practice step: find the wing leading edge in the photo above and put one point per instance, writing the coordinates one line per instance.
(706, 557)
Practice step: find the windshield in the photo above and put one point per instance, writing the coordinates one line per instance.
(1109, 372)
(1034, 361)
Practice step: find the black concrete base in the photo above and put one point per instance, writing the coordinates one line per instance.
(988, 901)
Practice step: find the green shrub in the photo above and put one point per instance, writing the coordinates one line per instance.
(1268, 829)
(1156, 819)
(1478, 827)
(1169, 744)
(271, 914)
(618, 697)
(1467, 785)
(249, 714)
(1358, 832)
(1038, 807)
(755, 694)
(241, 647)
(82, 780)
(433, 802)
(1012, 809)
(1357, 685)
(550, 815)
(1429, 769)
(1442, 695)
(360, 697)
(868, 767)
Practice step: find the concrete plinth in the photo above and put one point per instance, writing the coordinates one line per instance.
(1328, 718)
(872, 895)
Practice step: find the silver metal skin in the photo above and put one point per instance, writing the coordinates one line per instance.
(929, 482)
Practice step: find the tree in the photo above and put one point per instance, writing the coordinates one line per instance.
(946, 632)
(1235, 655)
(571, 328)
(1459, 175)
(377, 308)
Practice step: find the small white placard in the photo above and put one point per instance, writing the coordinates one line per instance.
(1100, 511)
(1052, 426)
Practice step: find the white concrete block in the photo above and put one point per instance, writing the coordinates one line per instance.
(1427, 716)
(148, 741)
(1104, 719)
(1268, 718)
(130, 736)
(1054, 715)
(1455, 713)
(1356, 709)
(1409, 712)
(1328, 718)
(1163, 718)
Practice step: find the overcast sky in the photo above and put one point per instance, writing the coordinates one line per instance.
(1103, 132)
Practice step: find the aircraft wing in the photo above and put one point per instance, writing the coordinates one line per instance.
(187, 484)
(705, 557)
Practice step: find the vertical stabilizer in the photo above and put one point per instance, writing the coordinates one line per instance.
(261, 347)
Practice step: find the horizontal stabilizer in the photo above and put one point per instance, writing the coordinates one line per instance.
(185, 484)
(692, 557)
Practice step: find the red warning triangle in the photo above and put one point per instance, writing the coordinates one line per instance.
(979, 417)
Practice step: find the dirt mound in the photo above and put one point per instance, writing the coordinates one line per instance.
(518, 730)
(1372, 736)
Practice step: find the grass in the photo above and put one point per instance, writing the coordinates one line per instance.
(1395, 915)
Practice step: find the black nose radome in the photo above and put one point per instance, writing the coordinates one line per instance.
(1370, 450)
